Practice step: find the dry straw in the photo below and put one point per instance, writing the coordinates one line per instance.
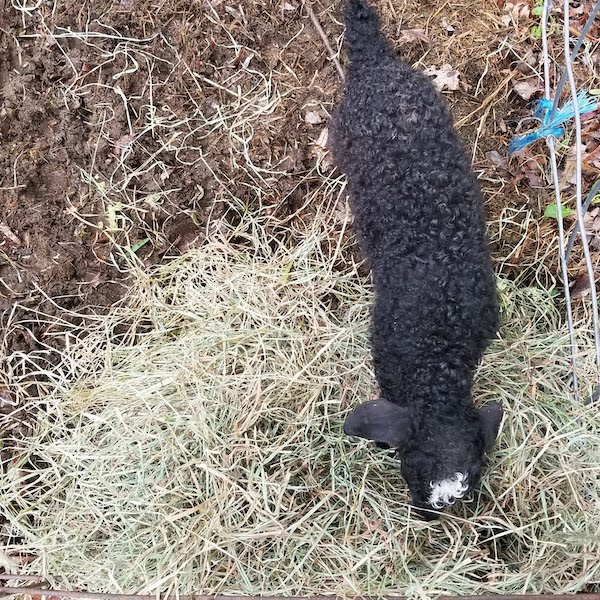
(192, 442)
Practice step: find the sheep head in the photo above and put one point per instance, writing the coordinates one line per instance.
(441, 459)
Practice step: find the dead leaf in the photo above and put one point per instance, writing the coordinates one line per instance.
(446, 77)
(320, 150)
(576, 10)
(233, 12)
(6, 398)
(445, 25)
(591, 220)
(580, 287)
(592, 117)
(591, 223)
(497, 159)
(518, 10)
(6, 231)
(123, 143)
(326, 162)
(410, 36)
(246, 62)
(312, 117)
(95, 280)
(289, 6)
(527, 88)
(323, 139)
(534, 180)
(591, 157)
(343, 213)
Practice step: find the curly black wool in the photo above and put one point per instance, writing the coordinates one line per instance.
(420, 220)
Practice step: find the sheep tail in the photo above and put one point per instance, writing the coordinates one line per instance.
(364, 37)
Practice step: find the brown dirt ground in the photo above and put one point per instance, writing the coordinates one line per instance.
(82, 175)
(92, 160)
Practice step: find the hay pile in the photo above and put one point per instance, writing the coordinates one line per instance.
(192, 442)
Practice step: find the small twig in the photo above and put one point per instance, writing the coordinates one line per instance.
(323, 35)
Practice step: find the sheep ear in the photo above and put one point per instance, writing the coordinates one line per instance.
(490, 417)
(380, 421)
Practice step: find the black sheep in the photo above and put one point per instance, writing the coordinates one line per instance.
(420, 220)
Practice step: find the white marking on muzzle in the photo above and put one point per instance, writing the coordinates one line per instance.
(447, 491)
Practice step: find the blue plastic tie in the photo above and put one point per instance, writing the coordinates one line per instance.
(551, 123)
